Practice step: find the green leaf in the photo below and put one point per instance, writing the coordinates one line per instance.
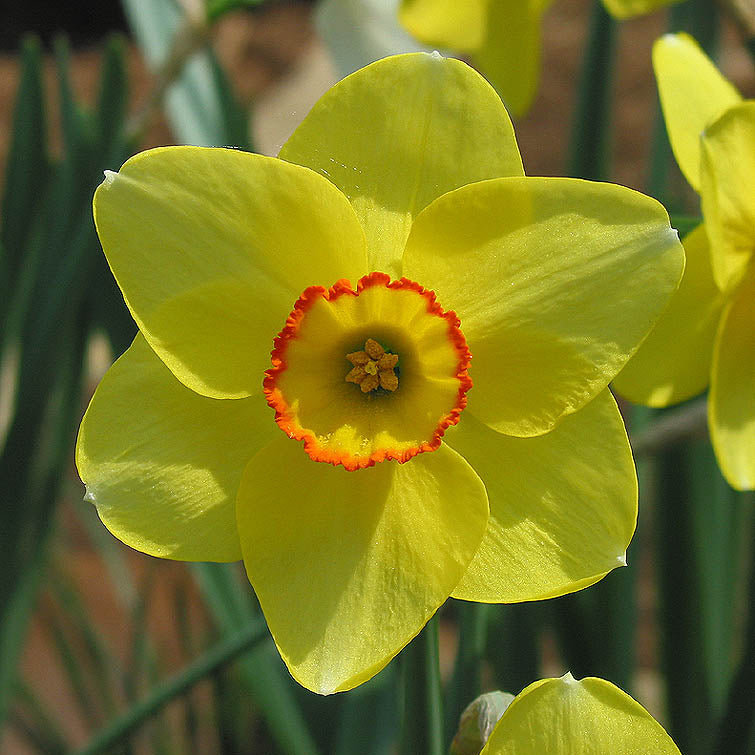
(231, 605)
(74, 669)
(235, 116)
(15, 617)
(596, 627)
(735, 733)
(685, 223)
(465, 683)
(513, 641)
(95, 662)
(110, 113)
(591, 132)
(29, 501)
(47, 326)
(35, 721)
(208, 663)
(218, 8)
(719, 526)
(422, 723)
(678, 574)
(369, 717)
(109, 311)
(196, 109)
(26, 172)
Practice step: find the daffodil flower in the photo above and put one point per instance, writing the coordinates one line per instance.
(397, 221)
(707, 336)
(501, 37)
(565, 716)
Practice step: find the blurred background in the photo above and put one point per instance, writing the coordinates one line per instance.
(103, 649)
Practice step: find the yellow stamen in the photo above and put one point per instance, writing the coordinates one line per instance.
(388, 380)
(374, 349)
(358, 357)
(373, 368)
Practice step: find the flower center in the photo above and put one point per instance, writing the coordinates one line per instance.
(393, 340)
(373, 368)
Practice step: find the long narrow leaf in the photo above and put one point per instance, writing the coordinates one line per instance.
(736, 728)
(37, 722)
(590, 141)
(678, 568)
(70, 661)
(464, 685)
(50, 329)
(95, 658)
(369, 718)
(204, 666)
(26, 171)
(513, 644)
(193, 104)
(263, 672)
(422, 725)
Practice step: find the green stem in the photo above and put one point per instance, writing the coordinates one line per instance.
(465, 682)
(513, 643)
(590, 141)
(189, 39)
(673, 427)
(681, 640)
(171, 688)
(735, 729)
(422, 730)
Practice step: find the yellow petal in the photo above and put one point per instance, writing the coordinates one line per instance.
(565, 716)
(629, 8)
(461, 27)
(563, 506)
(349, 566)
(399, 133)
(673, 363)
(731, 405)
(693, 94)
(211, 248)
(728, 192)
(162, 464)
(510, 56)
(556, 282)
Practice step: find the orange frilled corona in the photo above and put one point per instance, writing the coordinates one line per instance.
(368, 374)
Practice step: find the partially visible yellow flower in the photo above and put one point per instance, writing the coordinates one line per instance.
(486, 311)
(565, 716)
(707, 336)
(501, 37)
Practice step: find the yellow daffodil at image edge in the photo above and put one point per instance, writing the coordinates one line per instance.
(502, 37)
(376, 367)
(566, 716)
(707, 335)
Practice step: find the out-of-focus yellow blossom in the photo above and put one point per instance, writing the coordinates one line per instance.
(565, 716)
(398, 235)
(707, 336)
(501, 37)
